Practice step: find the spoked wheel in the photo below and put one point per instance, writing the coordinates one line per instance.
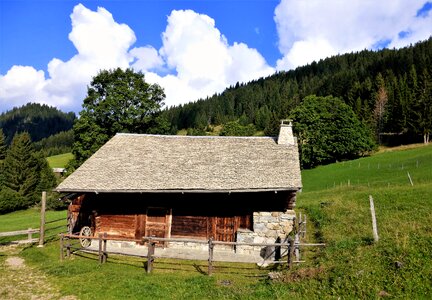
(85, 231)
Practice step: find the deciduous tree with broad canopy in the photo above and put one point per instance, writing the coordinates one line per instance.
(117, 101)
(328, 130)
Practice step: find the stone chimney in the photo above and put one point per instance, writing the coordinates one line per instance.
(286, 136)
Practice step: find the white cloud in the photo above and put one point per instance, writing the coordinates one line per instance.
(101, 44)
(146, 59)
(202, 60)
(22, 82)
(197, 58)
(314, 29)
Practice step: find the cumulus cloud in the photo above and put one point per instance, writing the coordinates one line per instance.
(146, 59)
(310, 30)
(101, 44)
(195, 60)
(201, 59)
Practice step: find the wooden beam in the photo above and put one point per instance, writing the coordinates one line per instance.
(201, 191)
(42, 220)
(290, 252)
(210, 259)
(150, 254)
(61, 247)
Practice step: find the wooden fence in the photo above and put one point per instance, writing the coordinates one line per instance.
(47, 229)
(65, 243)
(27, 232)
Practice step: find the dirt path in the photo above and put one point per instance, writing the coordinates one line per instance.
(19, 281)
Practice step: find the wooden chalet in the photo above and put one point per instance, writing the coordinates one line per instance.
(140, 185)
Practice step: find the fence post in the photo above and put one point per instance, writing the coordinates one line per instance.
(100, 249)
(290, 252)
(210, 259)
(42, 220)
(105, 254)
(409, 177)
(374, 223)
(296, 247)
(29, 235)
(61, 247)
(305, 227)
(68, 248)
(150, 253)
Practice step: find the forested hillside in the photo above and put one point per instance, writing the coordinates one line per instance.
(389, 90)
(40, 121)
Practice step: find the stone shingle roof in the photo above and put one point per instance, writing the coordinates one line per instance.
(157, 163)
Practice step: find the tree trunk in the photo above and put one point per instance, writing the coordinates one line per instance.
(426, 138)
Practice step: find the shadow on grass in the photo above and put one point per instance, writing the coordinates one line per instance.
(180, 265)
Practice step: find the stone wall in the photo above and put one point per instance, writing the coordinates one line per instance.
(268, 227)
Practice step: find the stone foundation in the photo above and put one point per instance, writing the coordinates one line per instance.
(269, 227)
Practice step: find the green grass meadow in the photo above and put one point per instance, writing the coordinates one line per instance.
(30, 218)
(336, 201)
(59, 161)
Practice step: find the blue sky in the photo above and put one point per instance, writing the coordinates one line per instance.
(49, 50)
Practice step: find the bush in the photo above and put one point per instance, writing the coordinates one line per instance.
(11, 200)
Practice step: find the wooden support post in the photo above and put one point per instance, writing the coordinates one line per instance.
(299, 222)
(42, 220)
(68, 248)
(61, 247)
(296, 247)
(210, 259)
(105, 254)
(374, 223)
(29, 235)
(100, 249)
(305, 227)
(150, 255)
(290, 252)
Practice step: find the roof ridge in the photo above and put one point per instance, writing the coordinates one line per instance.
(194, 136)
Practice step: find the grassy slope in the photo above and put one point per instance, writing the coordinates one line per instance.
(384, 169)
(59, 161)
(400, 264)
(351, 266)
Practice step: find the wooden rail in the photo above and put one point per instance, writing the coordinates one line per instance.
(29, 233)
(151, 245)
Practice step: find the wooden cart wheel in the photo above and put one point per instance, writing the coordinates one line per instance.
(85, 231)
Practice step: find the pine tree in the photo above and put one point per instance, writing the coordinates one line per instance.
(424, 106)
(21, 169)
(3, 147)
(47, 179)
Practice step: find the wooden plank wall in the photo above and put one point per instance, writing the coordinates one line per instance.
(188, 215)
(189, 226)
(116, 225)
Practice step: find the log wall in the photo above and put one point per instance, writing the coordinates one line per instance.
(194, 215)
